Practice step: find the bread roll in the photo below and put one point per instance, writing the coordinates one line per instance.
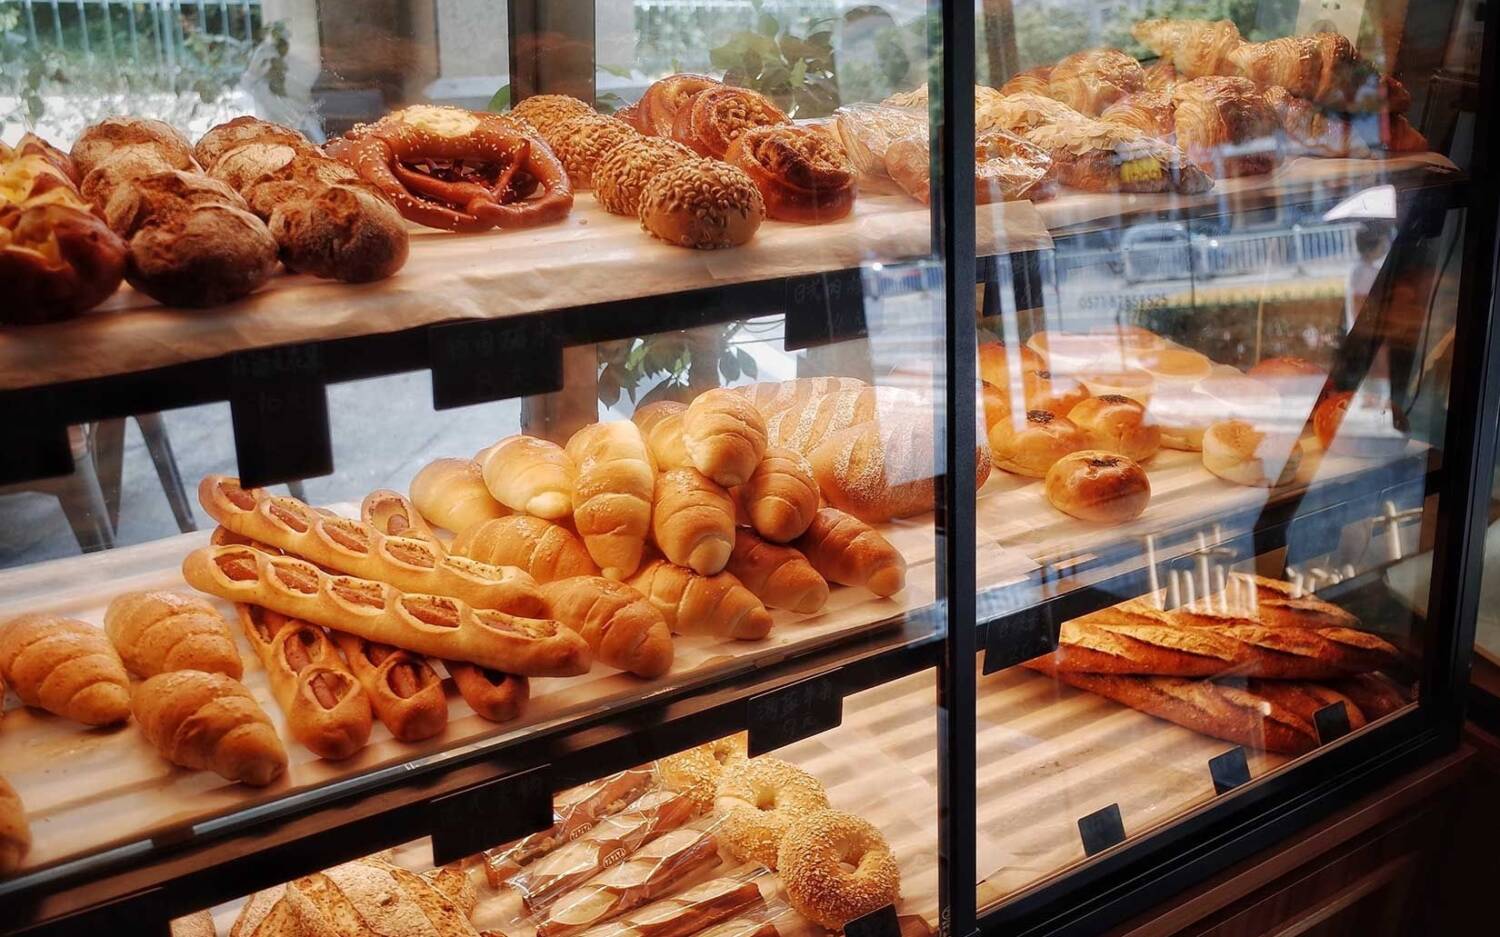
(66, 667)
(846, 550)
(208, 722)
(494, 696)
(779, 575)
(718, 605)
(15, 834)
(531, 476)
(450, 493)
(692, 521)
(404, 691)
(612, 494)
(781, 495)
(1098, 486)
(624, 630)
(1117, 424)
(1048, 390)
(160, 631)
(725, 436)
(661, 424)
(99, 141)
(392, 513)
(1029, 446)
(1360, 425)
(546, 550)
(1236, 451)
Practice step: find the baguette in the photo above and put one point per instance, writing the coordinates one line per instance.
(15, 834)
(405, 693)
(543, 549)
(692, 520)
(612, 494)
(653, 871)
(495, 696)
(450, 493)
(718, 605)
(393, 514)
(1376, 696)
(623, 629)
(439, 626)
(575, 811)
(779, 576)
(848, 551)
(530, 476)
(208, 722)
(610, 841)
(781, 495)
(66, 667)
(327, 710)
(687, 912)
(725, 436)
(661, 425)
(358, 549)
(160, 631)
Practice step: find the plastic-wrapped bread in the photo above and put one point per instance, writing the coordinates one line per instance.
(781, 496)
(692, 520)
(531, 476)
(661, 424)
(546, 550)
(451, 494)
(717, 605)
(15, 834)
(779, 575)
(438, 626)
(209, 722)
(868, 130)
(846, 550)
(612, 494)
(405, 693)
(725, 436)
(160, 631)
(687, 912)
(653, 871)
(624, 630)
(66, 667)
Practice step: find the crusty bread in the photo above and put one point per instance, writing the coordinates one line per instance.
(370, 897)
(717, 605)
(624, 629)
(531, 476)
(15, 834)
(546, 550)
(725, 436)
(846, 550)
(692, 520)
(781, 496)
(66, 667)
(779, 575)
(160, 631)
(612, 494)
(451, 494)
(209, 722)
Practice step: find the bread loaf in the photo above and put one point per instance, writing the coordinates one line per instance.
(265, 914)
(372, 898)
(405, 693)
(15, 834)
(687, 912)
(781, 495)
(692, 520)
(451, 494)
(612, 494)
(494, 696)
(848, 551)
(779, 576)
(717, 605)
(66, 667)
(531, 476)
(770, 397)
(208, 722)
(725, 436)
(661, 424)
(545, 550)
(623, 629)
(160, 631)
(648, 874)
(884, 469)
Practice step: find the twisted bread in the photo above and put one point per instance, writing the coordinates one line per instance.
(209, 722)
(612, 494)
(451, 494)
(66, 667)
(15, 834)
(779, 576)
(717, 605)
(543, 549)
(848, 551)
(531, 476)
(624, 630)
(725, 436)
(692, 521)
(160, 631)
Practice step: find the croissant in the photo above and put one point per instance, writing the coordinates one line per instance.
(778, 575)
(623, 628)
(160, 631)
(1161, 76)
(207, 721)
(661, 424)
(66, 667)
(781, 495)
(725, 436)
(15, 835)
(1324, 68)
(612, 494)
(1033, 80)
(1091, 80)
(1194, 47)
(530, 475)
(692, 521)
(450, 494)
(1226, 124)
(846, 550)
(692, 604)
(1310, 130)
(1150, 112)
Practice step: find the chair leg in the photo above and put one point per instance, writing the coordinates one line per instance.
(83, 504)
(109, 463)
(296, 490)
(154, 430)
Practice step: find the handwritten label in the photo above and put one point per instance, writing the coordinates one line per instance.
(1101, 830)
(824, 308)
(490, 813)
(1332, 722)
(792, 713)
(279, 408)
(1229, 770)
(485, 360)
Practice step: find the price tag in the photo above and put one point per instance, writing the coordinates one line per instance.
(142, 914)
(1229, 770)
(793, 713)
(37, 444)
(1332, 722)
(484, 360)
(1101, 829)
(279, 408)
(824, 308)
(881, 922)
(1009, 641)
(491, 813)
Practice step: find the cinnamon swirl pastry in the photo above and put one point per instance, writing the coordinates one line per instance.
(658, 107)
(803, 175)
(714, 118)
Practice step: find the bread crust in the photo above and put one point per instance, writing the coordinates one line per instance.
(1098, 486)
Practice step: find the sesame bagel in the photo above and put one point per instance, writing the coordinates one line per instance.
(696, 772)
(812, 860)
(760, 798)
(622, 174)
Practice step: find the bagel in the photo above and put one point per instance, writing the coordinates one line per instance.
(696, 772)
(760, 798)
(812, 864)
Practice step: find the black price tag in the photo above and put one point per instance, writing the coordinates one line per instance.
(1332, 722)
(881, 922)
(37, 444)
(142, 914)
(1101, 829)
(279, 407)
(792, 713)
(488, 814)
(1017, 638)
(1229, 770)
(824, 308)
(484, 360)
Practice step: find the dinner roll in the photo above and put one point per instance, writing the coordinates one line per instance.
(1236, 451)
(1117, 424)
(1031, 445)
(1098, 486)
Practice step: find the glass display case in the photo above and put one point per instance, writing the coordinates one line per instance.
(642, 469)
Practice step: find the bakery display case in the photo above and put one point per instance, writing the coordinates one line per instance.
(619, 469)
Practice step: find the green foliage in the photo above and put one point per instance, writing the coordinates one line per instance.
(797, 72)
(669, 363)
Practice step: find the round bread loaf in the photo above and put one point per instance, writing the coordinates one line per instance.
(703, 204)
(1098, 486)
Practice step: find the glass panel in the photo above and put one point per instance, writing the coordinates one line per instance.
(1486, 670)
(456, 272)
(1215, 402)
